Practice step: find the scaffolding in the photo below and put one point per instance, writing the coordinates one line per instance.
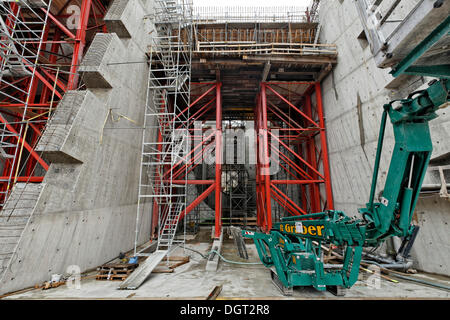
(294, 154)
(394, 28)
(166, 116)
(238, 185)
(39, 59)
(21, 42)
(224, 48)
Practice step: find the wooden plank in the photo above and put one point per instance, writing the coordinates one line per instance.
(161, 270)
(180, 263)
(214, 293)
(177, 258)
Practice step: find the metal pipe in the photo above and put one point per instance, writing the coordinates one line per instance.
(377, 159)
(433, 284)
(378, 258)
(437, 285)
(218, 169)
(332, 266)
(396, 265)
(434, 186)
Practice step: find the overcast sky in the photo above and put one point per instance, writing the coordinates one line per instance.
(259, 3)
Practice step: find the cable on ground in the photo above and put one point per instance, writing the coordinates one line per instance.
(206, 256)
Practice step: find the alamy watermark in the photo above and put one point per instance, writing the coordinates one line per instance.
(73, 21)
(74, 277)
(245, 146)
(373, 280)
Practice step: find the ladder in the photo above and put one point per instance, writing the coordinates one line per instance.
(21, 41)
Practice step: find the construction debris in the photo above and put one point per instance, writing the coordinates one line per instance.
(239, 242)
(50, 285)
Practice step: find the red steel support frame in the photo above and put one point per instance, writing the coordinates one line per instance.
(310, 149)
(219, 142)
(301, 128)
(323, 141)
(80, 43)
(203, 105)
(265, 163)
(56, 73)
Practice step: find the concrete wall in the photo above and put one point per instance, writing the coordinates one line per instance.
(84, 212)
(353, 96)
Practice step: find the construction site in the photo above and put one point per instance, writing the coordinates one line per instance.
(163, 149)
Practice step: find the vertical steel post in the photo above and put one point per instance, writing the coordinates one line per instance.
(323, 141)
(259, 215)
(218, 200)
(312, 159)
(266, 159)
(155, 210)
(80, 43)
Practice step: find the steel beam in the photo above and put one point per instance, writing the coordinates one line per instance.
(218, 184)
(323, 141)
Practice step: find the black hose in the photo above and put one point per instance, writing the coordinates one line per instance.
(433, 284)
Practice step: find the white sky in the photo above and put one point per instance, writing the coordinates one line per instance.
(259, 3)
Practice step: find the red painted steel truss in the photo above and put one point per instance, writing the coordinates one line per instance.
(40, 40)
(206, 106)
(292, 170)
(293, 175)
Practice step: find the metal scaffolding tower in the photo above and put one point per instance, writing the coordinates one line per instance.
(39, 60)
(166, 116)
(21, 42)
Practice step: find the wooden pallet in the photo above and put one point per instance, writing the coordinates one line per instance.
(121, 271)
(115, 271)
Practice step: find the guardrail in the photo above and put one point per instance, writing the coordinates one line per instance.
(241, 48)
(216, 14)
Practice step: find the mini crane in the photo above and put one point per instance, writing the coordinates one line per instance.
(293, 247)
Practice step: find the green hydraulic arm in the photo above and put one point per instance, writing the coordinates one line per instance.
(410, 158)
(293, 249)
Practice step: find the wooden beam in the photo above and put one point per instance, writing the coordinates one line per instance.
(316, 60)
(324, 72)
(265, 71)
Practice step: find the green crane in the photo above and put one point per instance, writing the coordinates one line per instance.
(293, 248)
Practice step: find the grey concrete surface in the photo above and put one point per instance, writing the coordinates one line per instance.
(84, 212)
(191, 281)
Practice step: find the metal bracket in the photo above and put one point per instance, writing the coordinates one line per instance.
(443, 192)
